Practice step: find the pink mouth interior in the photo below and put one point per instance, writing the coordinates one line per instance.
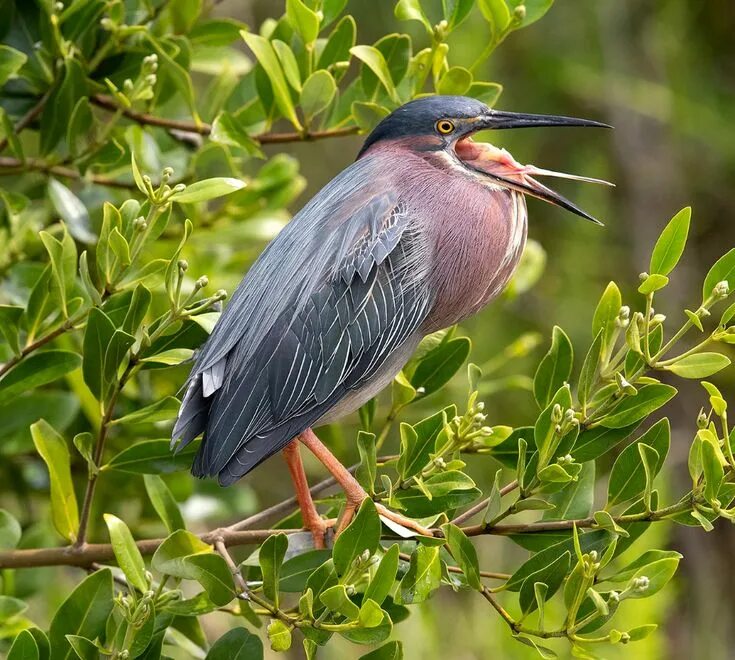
(488, 158)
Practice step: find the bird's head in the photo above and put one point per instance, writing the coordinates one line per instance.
(447, 123)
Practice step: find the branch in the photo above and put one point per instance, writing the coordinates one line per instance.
(16, 166)
(464, 517)
(41, 341)
(202, 128)
(90, 553)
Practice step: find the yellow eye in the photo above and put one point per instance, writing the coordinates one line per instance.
(444, 126)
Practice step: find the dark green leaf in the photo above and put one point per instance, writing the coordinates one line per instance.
(162, 410)
(152, 457)
(390, 651)
(423, 576)
(37, 370)
(24, 647)
(552, 576)
(271, 556)
(576, 499)
(588, 373)
(554, 369)
(318, 92)
(295, 572)
(632, 409)
(367, 470)
(83, 613)
(382, 580)
(362, 534)
(236, 644)
(437, 367)
(465, 554)
(10, 531)
(163, 502)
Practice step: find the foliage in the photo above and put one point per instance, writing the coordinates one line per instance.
(100, 314)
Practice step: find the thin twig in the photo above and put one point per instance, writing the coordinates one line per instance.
(90, 553)
(26, 119)
(16, 166)
(202, 128)
(42, 341)
(491, 575)
(480, 506)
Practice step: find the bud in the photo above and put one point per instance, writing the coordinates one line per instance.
(593, 555)
(167, 173)
(147, 180)
(643, 276)
(557, 429)
(128, 85)
(139, 224)
(624, 638)
(107, 24)
(420, 390)
(721, 290)
(623, 317)
(479, 418)
(640, 584)
(58, 7)
(365, 555)
(202, 282)
(350, 589)
(519, 13)
(702, 420)
(150, 62)
(569, 415)
(150, 79)
(220, 295)
(183, 265)
(179, 187)
(658, 318)
(480, 406)
(440, 462)
(486, 430)
(556, 414)
(613, 597)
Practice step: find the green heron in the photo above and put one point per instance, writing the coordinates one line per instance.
(420, 232)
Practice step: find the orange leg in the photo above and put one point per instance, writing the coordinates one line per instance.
(312, 520)
(353, 490)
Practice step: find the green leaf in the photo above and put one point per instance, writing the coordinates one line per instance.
(367, 470)
(171, 357)
(10, 531)
(126, 552)
(279, 635)
(11, 61)
(410, 10)
(337, 48)
(24, 647)
(375, 61)
(589, 370)
(368, 115)
(236, 644)
(160, 411)
(496, 13)
(97, 339)
(465, 554)
(423, 576)
(362, 535)
(10, 608)
(152, 457)
(658, 573)
(37, 370)
(163, 502)
(722, 271)
(713, 471)
(288, 63)
(699, 365)
(648, 557)
(670, 245)
(271, 556)
(628, 478)
(554, 369)
(170, 555)
(552, 576)
(268, 59)
(382, 580)
(318, 92)
(295, 572)
(390, 651)
(606, 313)
(456, 81)
(635, 408)
(84, 613)
(418, 442)
(303, 20)
(211, 571)
(53, 450)
(437, 367)
(535, 9)
(337, 600)
(489, 93)
(226, 129)
(202, 191)
(595, 442)
(449, 490)
(63, 255)
(653, 283)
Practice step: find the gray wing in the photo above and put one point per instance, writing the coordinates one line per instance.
(329, 338)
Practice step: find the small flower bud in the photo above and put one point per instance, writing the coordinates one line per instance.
(420, 390)
(721, 290)
(58, 7)
(147, 180)
(593, 555)
(556, 413)
(128, 85)
(641, 583)
(107, 24)
(139, 224)
(702, 420)
(183, 265)
(480, 406)
(624, 638)
(519, 13)
(440, 462)
(150, 60)
(179, 187)
(613, 597)
(350, 589)
(658, 318)
(486, 431)
(167, 173)
(220, 295)
(202, 282)
(150, 79)
(643, 276)
(557, 429)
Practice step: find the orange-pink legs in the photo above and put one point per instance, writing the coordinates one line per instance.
(354, 492)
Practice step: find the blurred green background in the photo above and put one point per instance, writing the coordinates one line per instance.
(663, 74)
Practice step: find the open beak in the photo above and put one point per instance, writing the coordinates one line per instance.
(499, 165)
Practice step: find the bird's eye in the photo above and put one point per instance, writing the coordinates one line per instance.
(444, 126)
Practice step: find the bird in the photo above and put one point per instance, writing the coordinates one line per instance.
(420, 232)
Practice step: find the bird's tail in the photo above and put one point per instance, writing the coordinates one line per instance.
(193, 415)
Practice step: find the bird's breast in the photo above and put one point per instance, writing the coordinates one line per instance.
(479, 232)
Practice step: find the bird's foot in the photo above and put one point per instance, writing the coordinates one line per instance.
(355, 498)
(403, 521)
(321, 530)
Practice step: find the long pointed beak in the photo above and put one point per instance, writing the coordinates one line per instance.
(499, 119)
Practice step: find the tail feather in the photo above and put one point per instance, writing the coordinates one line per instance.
(193, 415)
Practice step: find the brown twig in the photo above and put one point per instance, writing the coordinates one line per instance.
(41, 341)
(26, 119)
(90, 553)
(491, 575)
(477, 508)
(16, 166)
(202, 128)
